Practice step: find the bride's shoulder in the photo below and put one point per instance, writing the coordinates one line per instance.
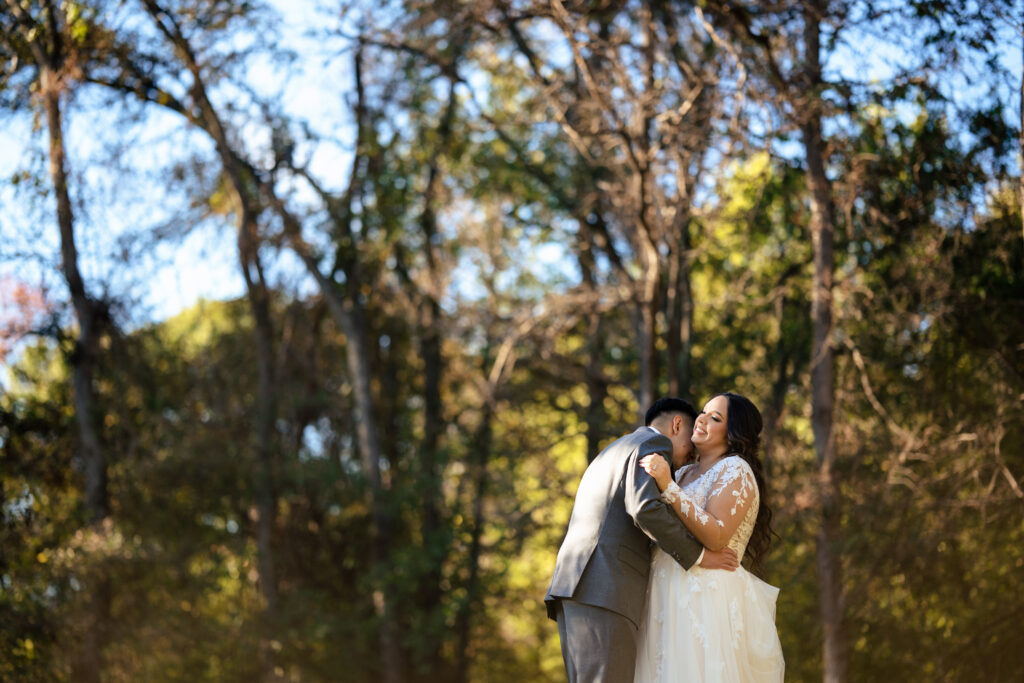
(733, 467)
(737, 460)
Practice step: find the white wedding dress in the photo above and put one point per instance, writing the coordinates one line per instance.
(710, 625)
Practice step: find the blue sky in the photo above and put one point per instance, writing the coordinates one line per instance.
(113, 209)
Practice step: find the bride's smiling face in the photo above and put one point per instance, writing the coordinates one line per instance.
(709, 429)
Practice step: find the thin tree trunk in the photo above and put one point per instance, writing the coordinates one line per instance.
(674, 317)
(264, 431)
(685, 375)
(350, 319)
(87, 664)
(597, 387)
(87, 659)
(349, 312)
(349, 315)
(242, 181)
(464, 618)
(429, 595)
(650, 259)
(680, 317)
(647, 334)
(1020, 140)
(823, 368)
(777, 405)
(647, 342)
(86, 313)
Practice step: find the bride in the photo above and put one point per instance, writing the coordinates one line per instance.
(705, 626)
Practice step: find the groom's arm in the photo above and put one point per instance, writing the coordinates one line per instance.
(643, 504)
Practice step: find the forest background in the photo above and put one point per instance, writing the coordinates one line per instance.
(314, 313)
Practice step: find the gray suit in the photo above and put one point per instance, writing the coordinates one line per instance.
(599, 585)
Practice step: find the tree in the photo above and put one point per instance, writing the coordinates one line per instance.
(52, 40)
(633, 91)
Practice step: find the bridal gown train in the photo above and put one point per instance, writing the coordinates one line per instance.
(708, 625)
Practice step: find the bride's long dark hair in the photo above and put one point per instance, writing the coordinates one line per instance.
(743, 425)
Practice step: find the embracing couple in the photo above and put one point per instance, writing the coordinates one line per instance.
(684, 612)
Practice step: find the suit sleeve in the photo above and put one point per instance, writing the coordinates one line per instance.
(644, 505)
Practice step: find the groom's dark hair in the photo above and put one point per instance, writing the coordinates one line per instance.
(669, 405)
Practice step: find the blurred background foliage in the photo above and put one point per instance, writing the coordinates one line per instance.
(467, 258)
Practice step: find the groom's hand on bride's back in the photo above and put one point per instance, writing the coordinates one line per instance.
(720, 559)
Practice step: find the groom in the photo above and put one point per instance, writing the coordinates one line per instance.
(599, 586)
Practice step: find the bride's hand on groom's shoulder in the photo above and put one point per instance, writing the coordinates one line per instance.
(656, 466)
(720, 559)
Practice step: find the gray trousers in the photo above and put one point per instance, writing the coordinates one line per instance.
(598, 645)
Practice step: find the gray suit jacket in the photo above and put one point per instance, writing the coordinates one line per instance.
(606, 555)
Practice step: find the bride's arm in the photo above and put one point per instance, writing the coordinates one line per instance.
(732, 494)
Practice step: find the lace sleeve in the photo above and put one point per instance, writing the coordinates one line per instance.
(732, 493)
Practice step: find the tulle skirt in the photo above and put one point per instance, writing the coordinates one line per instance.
(707, 626)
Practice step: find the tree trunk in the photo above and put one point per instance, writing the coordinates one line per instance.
(648, 357)
(464, 618)
(87, 664)
(650, 259)
(349, 315)
(87, 660)
(86, 313)
(264, 430)
(597, 388)
(777, 405)
(429, 595)
(242, 181)
(350, 318)
(680, 316)
(647, 332)
(823, 366)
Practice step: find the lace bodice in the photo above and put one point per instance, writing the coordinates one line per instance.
(715, 498)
